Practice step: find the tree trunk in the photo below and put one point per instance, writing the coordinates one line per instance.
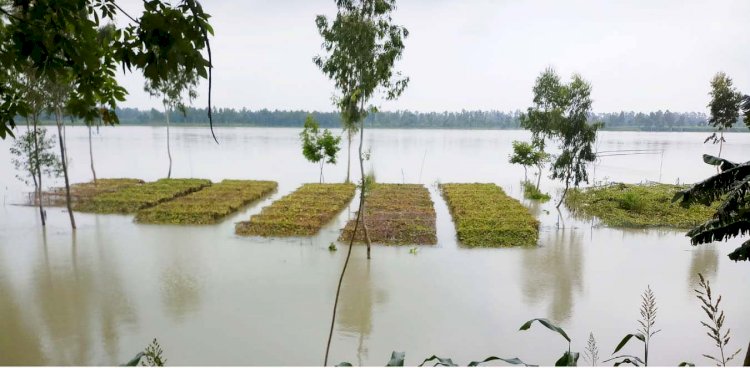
(349, 154)
(538, 177)
(91, 155)
(362, 191)
(747, 357)
(169, 152)
(525, 174)
(38, 172)
(64, 159)
(321, 171)
(567, 184)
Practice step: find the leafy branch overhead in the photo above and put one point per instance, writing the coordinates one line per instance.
(60, 39)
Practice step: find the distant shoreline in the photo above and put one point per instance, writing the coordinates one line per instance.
(691, 129)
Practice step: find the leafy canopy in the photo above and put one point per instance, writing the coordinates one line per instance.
(725, 105)
(27, 163)
(319, 146)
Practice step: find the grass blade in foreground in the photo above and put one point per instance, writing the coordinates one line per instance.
(486, 217)
(209, 205)
(301, 213)
(134, 198)
(397, 214)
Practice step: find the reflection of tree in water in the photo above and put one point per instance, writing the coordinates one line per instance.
(180, 281)
(704, 259)
(554, 271)
(71, 295)
(356, 302)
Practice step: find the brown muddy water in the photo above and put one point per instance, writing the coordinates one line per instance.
(102, 293)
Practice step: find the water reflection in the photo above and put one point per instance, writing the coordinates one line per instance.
(704, 259)
(553, 272)
(358, 297)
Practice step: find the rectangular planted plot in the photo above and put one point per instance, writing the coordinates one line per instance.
(209, 205)
(396, 214)
(82, 192)
(134, 198)
(486, 217)
(301, 213)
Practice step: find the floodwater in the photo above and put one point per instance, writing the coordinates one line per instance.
(102, 293)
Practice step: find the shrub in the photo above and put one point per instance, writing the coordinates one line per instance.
(531, 192)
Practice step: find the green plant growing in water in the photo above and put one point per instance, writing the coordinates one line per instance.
(591, 354)
(28, 162)
(533, 193)
(630, 201)
(569, 358)
(332, 247)
(152, 356)
(319, 147)
(529, 154)
(398, 357)
(716, 322)
(725, 107)
(644, 333)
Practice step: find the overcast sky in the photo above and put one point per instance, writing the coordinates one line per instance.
(639, 55)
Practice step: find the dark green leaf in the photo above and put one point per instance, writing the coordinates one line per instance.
(546, 323)
(397, 359)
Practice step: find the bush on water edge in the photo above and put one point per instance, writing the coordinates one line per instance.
(209, 205)
(82, 192)
(530, 191)
(636, 205)
(396, 214)
(133, 198)
(301, 213)
(485, 216)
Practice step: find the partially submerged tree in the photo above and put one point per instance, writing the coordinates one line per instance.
(362, 46)
(173, 90)
(32, 153)
(319, 147)
(731, 186)
(725, 108)
(560, 113)
(60, 91)
(528, 154)
(350, 128)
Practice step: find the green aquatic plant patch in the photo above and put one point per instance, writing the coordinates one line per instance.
(134, 198)
(301, 213)
(636, 205)
(485, 216)
(82, 192)
(209, 205)
(396, 214)
(530, 191)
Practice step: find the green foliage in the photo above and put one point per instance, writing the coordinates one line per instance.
(635, 205)
(319, 146)
(716, 322)
(396, 214)
(485, 216)
(530, 191)
(133, 198)
(60, 39)
(28, 156)
(528, 154)
(569, 358)
(332, 247)
(645, 332)
(397, 360)
(207, 206)
(560, 113)
(301, 213)
(152, 356)
(725, 106)
(84, 192)
(732, 217)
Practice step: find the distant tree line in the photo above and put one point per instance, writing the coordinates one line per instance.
(624, 120)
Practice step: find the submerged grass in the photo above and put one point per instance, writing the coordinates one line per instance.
(133, 198)
(82, 192)
(485, 216)
(209, 205)
(397, 214)
(301, 213)
(636, 205)
(530, 191)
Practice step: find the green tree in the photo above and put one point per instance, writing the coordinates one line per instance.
(58, 38)
(731, 186)
(60, 92)
(362, 45)
(528, 154)
(32, 153)
(173, 90)
(319, 147)
(725, 107)
(560, 113)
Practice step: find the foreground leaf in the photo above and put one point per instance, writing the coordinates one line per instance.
(546, 323)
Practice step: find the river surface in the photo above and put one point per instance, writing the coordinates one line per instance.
(102, 293)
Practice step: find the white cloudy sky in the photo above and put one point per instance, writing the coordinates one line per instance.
(474, 54)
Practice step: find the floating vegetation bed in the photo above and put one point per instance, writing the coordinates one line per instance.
(396, 214)
(636, 205)
(209, 205)
(133, 198)
(486, 217)
(301, 213)
(82, 192)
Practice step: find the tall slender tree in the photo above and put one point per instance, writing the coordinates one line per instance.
(173, 90)
(362, 46)
(60, 90)
(725, 107)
